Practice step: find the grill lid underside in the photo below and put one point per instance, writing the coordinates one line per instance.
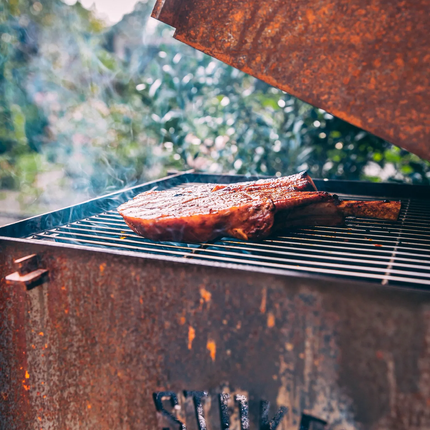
(365, 62)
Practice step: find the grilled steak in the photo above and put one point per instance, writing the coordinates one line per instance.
(248, 210)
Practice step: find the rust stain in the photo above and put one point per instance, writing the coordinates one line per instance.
(206, 295)
(211, 347)
(89, 406)
(310, 16)
(102, 267)
(379, 355)
(191, 336)
(399, 62)
(263, 301)
(182, 320)
(239, 15)
(270, 320)
(41, 333)
(27, 375)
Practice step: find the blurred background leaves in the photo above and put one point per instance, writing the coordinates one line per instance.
(87, 108)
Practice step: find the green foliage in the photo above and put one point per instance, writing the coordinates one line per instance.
(113, 106)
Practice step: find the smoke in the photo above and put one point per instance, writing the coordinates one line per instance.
(96, 119)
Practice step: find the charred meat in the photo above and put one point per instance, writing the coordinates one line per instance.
(248, 210)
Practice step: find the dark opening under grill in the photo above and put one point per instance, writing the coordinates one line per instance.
(374, 250)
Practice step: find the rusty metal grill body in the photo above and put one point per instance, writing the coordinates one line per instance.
(329, 322)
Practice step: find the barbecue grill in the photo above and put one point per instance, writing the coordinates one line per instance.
(319, 328)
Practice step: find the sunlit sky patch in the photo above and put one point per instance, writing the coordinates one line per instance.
(110, 11)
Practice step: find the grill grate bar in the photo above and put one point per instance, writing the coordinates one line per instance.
(305, 246)
(364, 244)
(313, 233)
(272, 250)
(215, 253)
(365, 240)
(392, 261)
(336, 272)
(385, 238)
(337, 251)
(375, 228)
(123, 238)
(120, 246)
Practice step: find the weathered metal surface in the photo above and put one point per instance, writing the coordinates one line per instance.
(366, 62)
(87, 349)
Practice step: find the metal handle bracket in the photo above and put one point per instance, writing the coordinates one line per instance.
(27, 274)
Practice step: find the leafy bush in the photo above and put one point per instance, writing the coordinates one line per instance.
(112, 106)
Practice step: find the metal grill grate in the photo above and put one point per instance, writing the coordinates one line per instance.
(374, 250)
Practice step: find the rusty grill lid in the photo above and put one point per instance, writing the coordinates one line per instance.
(366, 62)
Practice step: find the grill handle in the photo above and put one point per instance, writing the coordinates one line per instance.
(27, 275)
